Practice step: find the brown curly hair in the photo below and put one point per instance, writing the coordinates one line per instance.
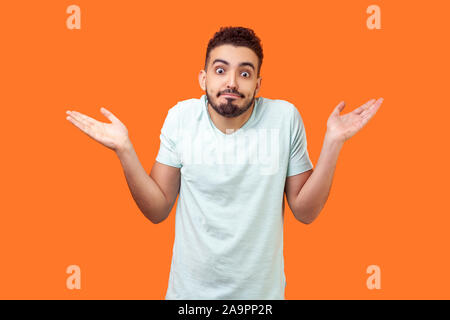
(237, 36)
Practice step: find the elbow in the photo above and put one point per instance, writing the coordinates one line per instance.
(160, 219)
(306, 221)
(155, 218)
(156, 221)
(158, 214)
(151, 219)
(307, 218)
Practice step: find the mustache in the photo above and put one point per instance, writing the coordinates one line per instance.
(231, 92)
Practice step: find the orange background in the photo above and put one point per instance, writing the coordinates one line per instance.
(65, 199)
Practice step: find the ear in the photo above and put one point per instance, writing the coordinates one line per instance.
(202, 79)
(258, 85)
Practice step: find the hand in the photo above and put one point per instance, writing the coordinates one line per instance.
(342, 128)
(113, 135)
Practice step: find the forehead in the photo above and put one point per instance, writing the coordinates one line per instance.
(233, 55)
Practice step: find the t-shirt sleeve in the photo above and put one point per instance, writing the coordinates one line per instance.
(299, 158)
(168, 150)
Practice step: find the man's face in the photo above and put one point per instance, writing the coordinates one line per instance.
(231, 70)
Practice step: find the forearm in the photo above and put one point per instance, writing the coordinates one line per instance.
(314, 193)
(145, 191)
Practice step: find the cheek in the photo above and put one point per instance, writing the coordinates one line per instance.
(213, 89)
(212, 85)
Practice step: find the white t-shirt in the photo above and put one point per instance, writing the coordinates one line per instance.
(229, 215)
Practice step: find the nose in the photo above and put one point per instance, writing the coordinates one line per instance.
(231, 82)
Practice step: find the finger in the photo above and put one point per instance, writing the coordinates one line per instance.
(363, 107)
(368, 114)
(372, 109)
(366, 117)
(77, 123)
(109, 115)
(85, 128)
(83, 118)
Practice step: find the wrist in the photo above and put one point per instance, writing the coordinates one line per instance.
(124, 148)
(334, 141)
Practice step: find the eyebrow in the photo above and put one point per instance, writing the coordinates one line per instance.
(240, 64)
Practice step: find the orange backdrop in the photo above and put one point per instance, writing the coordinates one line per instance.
(65, 200)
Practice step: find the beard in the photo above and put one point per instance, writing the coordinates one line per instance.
(228, 109)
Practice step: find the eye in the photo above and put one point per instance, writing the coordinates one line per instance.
(219, 69)
(246, 73)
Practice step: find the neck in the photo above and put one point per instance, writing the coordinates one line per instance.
(231, 124)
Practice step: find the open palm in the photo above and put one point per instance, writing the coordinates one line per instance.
(344, 127)
(113, 135)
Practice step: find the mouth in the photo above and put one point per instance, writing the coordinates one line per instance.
(230, 95)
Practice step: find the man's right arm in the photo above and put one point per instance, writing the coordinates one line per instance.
(154, 194)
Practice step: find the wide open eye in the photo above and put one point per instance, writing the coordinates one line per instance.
(219, 69)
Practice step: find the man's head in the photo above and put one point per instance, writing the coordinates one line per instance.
(233, 64)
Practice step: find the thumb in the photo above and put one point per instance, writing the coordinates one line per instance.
(109, 115)
(339, 108)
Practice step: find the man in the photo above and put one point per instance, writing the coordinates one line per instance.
(231, 157)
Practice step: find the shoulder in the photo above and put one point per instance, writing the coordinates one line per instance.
(186, 109)
(276, 103)
(282, 107)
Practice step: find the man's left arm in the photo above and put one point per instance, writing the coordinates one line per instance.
(307, 198)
